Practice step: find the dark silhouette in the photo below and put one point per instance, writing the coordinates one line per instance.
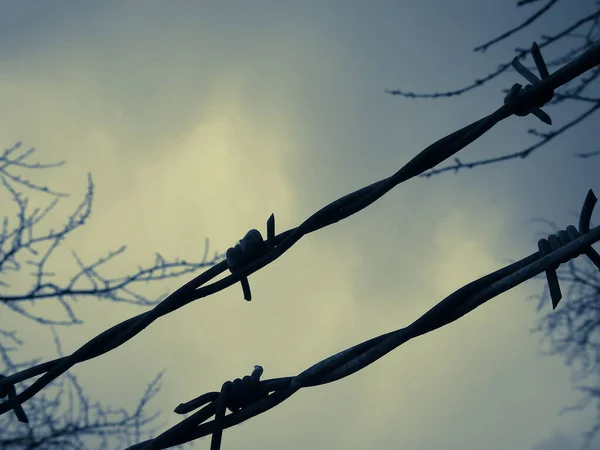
(585, 32)
(63, 416)
(573, 329)
(250, 396)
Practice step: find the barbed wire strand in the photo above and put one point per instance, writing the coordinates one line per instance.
(253, 400)
(253, 253)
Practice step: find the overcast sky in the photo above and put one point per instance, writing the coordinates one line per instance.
(200, 119)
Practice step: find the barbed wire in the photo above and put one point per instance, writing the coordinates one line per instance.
(253, 253)
(586, 30)
(249, 396)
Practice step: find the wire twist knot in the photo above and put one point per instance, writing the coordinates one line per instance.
(250, 247)
(235, 395)
(239, 393)
(562, 238)
(536, 101)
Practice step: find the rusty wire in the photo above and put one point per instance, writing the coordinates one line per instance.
(253, 253)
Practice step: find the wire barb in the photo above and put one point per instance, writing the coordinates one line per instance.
(234, 395)
(562, 238)
(250, 247)
(252, 254)
(543, 97)
(567, 244)
(7, 389)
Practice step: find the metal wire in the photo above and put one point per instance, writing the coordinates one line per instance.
(353, 359)
(253, 254)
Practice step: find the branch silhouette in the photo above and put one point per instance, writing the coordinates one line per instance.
(64, 417)
(573, 331)
(253, 253)
(20, 246)
(591, 33)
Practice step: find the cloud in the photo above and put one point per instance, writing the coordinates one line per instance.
(558, 441)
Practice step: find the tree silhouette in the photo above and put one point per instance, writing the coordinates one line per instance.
(573, 329)
(585, 31)
(63, 417)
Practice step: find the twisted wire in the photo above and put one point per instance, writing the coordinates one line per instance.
(568, 244)
(7, 389)
(252, 253)
(562, 238)
(251, 246)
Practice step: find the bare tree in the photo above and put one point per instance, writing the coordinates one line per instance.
(573, 329)
(585, 32)
(63, 417)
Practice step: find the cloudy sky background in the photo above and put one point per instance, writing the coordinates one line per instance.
(200, 120)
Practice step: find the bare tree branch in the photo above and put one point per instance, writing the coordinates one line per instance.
(7, 163)
(87, 282)
(545, 137)
(572, 331)
(568, 92)
(63, 417)
(529, 21)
